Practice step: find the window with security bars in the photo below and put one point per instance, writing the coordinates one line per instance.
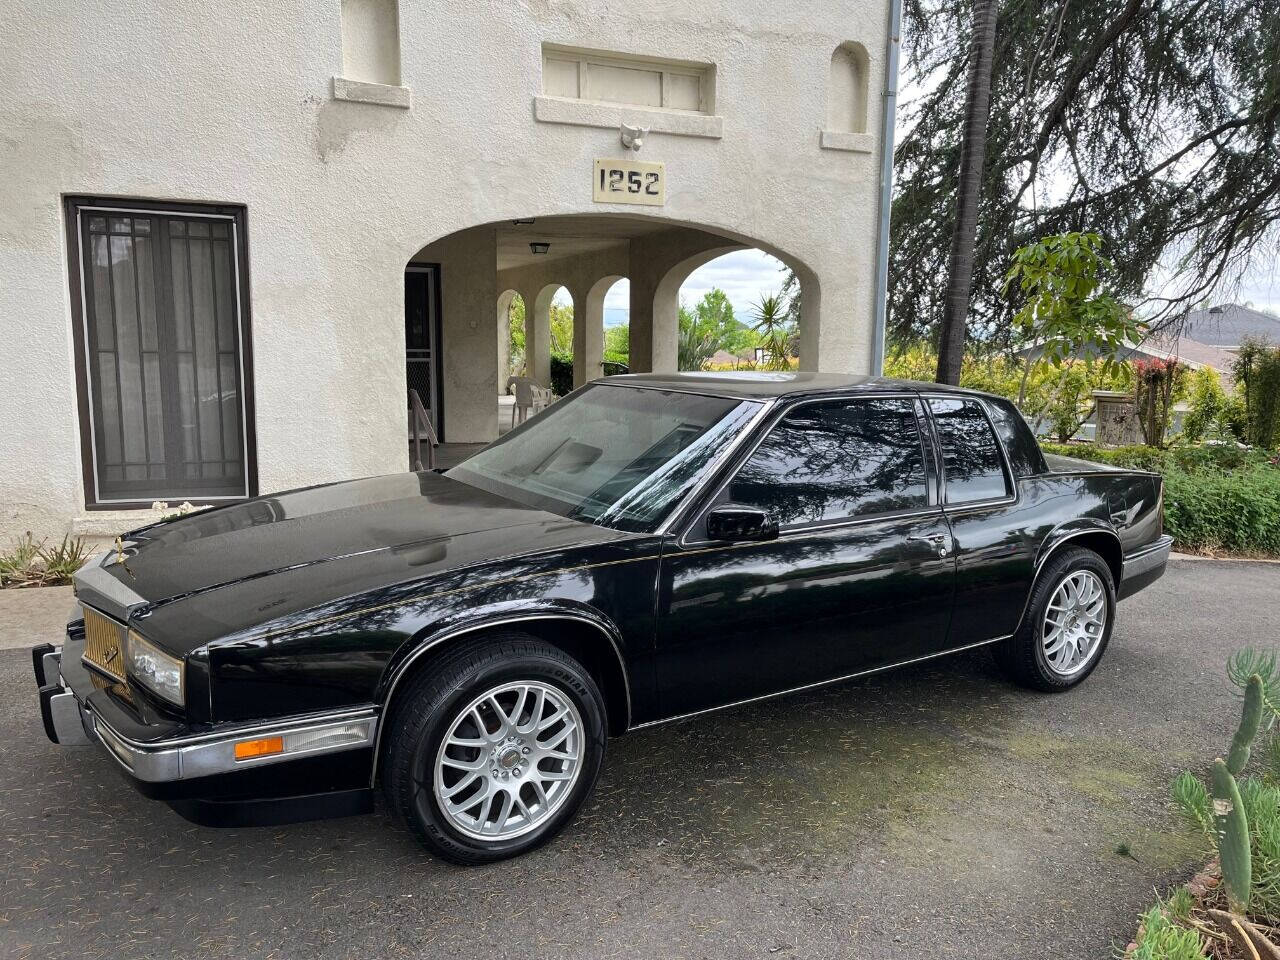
(164, 337)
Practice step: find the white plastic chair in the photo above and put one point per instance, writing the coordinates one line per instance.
(529, 398)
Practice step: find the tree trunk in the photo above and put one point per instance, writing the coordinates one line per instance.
(973, 151)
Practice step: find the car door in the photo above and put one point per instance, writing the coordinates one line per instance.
(994, 553)
(859, 576)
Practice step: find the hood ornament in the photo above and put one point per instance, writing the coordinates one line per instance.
(120, 556)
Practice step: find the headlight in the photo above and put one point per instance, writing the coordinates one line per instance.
(154, 669)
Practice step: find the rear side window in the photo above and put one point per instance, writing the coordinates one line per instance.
(836, 460)
(970, 454)
(1025, 458)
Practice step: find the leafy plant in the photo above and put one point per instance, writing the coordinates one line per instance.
(1242, 818)
(561, 373)
(29, 564)
(696, 343)
(1162, 939)
(1249, 662)
(1155, 383)
(776, 332)
(1257, 369)
(1212, 413)
(1065, 307)
(18, 566)
(61, 562)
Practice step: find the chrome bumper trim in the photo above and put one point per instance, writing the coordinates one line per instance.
(1147, 559)
(212, 753)
(68, 722)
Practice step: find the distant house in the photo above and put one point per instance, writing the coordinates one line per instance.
(1205, 338)
(1228, 326)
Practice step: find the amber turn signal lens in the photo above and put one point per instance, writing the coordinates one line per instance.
(248, 749)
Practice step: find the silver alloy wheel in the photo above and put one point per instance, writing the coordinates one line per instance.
(509, 760)
(1074, 622)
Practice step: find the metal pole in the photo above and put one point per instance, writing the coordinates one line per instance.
(888, 115)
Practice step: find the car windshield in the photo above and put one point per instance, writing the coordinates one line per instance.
(615, 455)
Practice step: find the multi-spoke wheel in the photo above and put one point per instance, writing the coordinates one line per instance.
(509, 760)
(1066, 625)
(491, 751)
(1074, 622)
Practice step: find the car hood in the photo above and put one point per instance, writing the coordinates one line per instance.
(349, 536)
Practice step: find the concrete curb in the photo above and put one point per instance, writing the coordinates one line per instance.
(1199, 557)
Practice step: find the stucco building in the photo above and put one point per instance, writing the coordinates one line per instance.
(234, 235)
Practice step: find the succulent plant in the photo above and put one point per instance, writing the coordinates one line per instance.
(1232, 831)
(1250, 719)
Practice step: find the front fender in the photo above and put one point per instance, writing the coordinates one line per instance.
(457, 624)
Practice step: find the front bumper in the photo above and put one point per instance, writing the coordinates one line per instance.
(75, 712)
(1145, 566)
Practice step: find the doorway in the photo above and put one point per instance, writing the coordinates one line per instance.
(422, 338)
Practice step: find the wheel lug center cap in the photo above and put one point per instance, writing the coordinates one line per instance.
(509, 758)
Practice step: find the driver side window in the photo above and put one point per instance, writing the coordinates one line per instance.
(836, 460)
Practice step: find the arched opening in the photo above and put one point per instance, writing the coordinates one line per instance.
(739, 311)
(603, 344)
(592, 294)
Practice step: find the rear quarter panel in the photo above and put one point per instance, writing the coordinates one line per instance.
(1007, 547)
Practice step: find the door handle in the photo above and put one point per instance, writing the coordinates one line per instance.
(938, 539)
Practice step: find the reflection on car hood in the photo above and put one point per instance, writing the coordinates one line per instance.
(396, 525)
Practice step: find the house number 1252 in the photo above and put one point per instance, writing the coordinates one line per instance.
(630, 181)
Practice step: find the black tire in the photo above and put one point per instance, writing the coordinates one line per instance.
(1022, 657)
(423, 714)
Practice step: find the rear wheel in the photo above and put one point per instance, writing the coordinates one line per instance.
(493, 751)
(1067, 623)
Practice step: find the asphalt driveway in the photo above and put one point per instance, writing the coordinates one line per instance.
(932, 812)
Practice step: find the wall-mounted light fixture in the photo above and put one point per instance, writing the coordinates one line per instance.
(539, 247)
(521, 223)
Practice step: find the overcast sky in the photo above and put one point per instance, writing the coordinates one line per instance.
(744, 275)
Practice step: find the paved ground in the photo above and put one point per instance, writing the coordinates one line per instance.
(26, 614)
(932, 812)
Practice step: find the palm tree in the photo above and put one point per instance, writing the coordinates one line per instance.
(777, 334)
(973, 152)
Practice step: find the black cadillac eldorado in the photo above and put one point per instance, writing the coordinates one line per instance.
(649, 548)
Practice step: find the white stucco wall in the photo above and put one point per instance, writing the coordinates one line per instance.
(232, 103)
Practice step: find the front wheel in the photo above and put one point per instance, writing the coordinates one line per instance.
(1067, 623)
(493, 752)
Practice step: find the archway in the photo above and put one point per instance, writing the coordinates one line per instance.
(485, 272)
(739, 311)
(589, 352)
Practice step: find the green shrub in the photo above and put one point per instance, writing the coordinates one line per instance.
(29, 564)
(1217, 510)
(1162, 939)
(561, 374)
(1257, 370)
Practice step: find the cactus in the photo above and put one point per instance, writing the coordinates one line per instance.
(1232, 829)
(1249, 720)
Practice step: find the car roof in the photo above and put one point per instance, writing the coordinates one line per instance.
(762, 384)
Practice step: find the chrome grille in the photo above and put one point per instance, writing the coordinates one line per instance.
(103, 640)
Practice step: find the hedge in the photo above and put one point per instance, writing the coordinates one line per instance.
(1216, 498)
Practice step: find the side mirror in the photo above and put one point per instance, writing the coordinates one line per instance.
(734, 522)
